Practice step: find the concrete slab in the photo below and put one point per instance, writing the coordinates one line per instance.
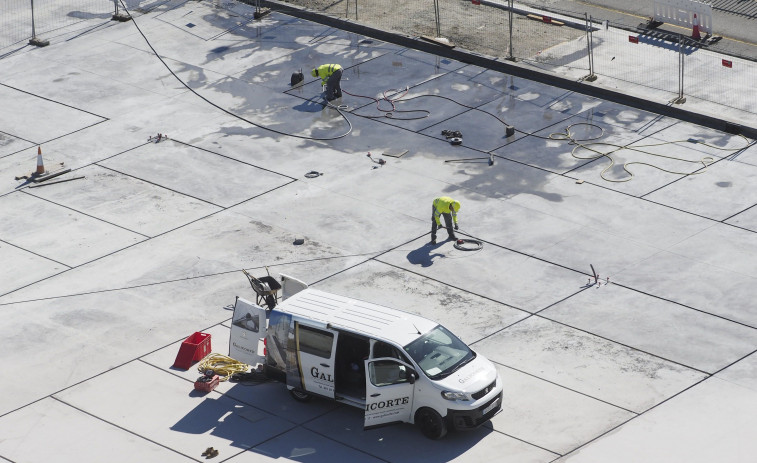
(21, 267)
(725, 191)
(28, 221)
(206, 21)
(656, 326)
(257, 105)
(713, 420)
(195, 172)
(688, 281)
(184, 420)
(51, 119)
(569, 144)
(107, 328)
(619, 215)
(588, 364)
(400, 443)
(10, 144)
(344, 222)
(536, 93)
(740, 241)
(638, 167)
(86, 91)
(745, 219)
(710, 141)
(39, 432)
(300, 444)
(743, 373)
(126, 201)
(516, 280)
(609, 113)
(550, 416)
(197, 251)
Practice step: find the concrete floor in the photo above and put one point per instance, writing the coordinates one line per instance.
(104, 276)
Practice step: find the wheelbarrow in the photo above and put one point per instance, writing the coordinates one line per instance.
(266, 289)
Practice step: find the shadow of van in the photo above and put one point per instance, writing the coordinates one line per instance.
(320, 431)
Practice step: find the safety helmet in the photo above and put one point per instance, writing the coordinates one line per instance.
(314, 72)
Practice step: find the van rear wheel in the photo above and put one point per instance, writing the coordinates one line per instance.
(431, 423)
(300, 396)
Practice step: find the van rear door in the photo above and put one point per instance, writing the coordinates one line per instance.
(291, 286)
(316, 348)
(389, 387)
(248, 327)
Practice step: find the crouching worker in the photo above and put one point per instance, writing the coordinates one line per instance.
(331, 76)
(445, 207)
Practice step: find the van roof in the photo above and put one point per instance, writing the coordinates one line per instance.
(358, 316)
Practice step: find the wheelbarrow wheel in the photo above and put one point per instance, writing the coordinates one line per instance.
(270, 301)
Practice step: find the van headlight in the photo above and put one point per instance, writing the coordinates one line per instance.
(452, 395)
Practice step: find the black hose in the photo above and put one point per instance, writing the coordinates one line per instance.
(460, 245)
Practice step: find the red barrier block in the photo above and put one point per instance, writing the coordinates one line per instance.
(633, 39)
(727, 63)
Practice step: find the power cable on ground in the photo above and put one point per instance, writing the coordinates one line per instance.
(305, 137)
(392, 99)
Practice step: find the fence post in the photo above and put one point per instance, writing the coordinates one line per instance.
(681, 99)
(118, 16)
(590, 48)
(36, 41)
(510, 25)
(436, 17)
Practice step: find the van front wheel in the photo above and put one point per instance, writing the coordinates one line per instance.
(431, 423)
(300, 396)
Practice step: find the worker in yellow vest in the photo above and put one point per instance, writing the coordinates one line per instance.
(331, 76)
(446, 207)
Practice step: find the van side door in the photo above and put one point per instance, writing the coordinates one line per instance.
(389, 387)
(316, 349)
(248, 328)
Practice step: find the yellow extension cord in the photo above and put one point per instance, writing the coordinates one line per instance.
(222, 365)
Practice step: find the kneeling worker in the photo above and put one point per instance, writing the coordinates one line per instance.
(331, 75)
(446, 207)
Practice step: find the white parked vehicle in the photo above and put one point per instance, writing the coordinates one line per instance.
(396, 366)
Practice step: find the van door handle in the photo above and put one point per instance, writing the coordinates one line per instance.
(375, 395)
(324, 365)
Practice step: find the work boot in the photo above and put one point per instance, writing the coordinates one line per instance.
(433, 240)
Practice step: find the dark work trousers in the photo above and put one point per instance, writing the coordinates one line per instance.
(333, 85)
(447, 221)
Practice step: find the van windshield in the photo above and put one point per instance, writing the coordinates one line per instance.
(439, 353)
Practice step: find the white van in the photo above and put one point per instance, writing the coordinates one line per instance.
(396, 366)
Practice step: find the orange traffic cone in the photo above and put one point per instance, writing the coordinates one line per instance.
(695, 32)
(40, 165)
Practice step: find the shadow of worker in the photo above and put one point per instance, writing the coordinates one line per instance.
(424, 256)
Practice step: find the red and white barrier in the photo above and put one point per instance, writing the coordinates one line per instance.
(683, 13)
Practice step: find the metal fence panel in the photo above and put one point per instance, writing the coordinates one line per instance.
(705, 71)
(653, 62)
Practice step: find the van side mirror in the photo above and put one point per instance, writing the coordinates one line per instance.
(412, 377)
